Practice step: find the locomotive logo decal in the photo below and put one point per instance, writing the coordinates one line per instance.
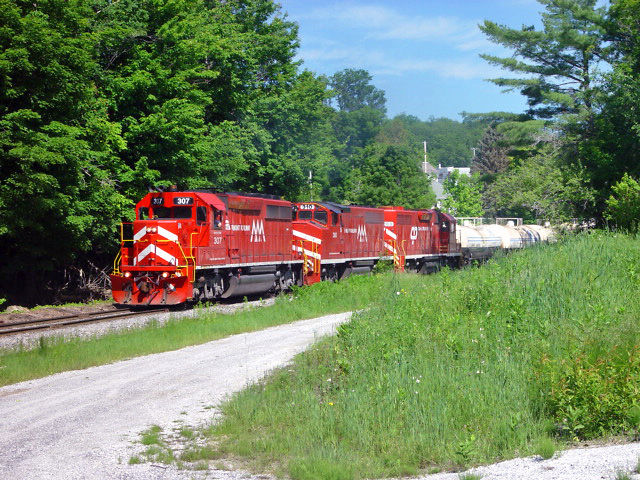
(257, 231)
(413, 235)
(362, 233)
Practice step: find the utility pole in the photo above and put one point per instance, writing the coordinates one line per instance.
(310, 185)
(424, 164)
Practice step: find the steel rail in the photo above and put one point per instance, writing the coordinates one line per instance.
(68, 320)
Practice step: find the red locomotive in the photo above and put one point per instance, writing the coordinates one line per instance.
(194, 245)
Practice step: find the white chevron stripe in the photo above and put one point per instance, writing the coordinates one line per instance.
(304, 236)
(163, 232)
(390, 233)
(167, 257)
(389, 247)
(307, 252)
(139, 234)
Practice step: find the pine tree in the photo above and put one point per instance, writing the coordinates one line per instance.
(491, 156)
(559, 61)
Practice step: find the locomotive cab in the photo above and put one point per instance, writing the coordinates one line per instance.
(158, 252)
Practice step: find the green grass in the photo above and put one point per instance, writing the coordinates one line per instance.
(546, 448)
(57, 355)
(151, 436)
(460, 368)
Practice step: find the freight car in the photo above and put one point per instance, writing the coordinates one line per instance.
(479, 242)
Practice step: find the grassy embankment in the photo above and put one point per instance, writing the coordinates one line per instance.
(460, 368)
(56, 355)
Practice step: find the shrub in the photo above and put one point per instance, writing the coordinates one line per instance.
(623, 206)
(590, 396)
(546, 448)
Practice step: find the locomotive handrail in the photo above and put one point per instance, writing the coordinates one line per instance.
(192, 255)
(116, 263)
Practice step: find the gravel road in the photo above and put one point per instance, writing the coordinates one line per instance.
(85, 424)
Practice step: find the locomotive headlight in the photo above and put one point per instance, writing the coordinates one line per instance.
(165, 274)
(148, 229)
(127, 274)
(154, 229)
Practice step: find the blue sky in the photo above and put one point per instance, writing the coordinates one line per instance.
(423, 54)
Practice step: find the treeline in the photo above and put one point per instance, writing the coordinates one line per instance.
(100, 99)
(575, 152)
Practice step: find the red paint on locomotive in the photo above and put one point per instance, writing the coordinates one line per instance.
(196, 245)
(192, 245)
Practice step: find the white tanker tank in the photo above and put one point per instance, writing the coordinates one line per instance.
(481, 241)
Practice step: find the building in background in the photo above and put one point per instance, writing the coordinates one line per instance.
(439, 175)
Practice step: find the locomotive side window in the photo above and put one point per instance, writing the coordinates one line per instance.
(278, 212)
(320, 216)
(217, 219)
(201, 215)
(143, 213)
(334, 218)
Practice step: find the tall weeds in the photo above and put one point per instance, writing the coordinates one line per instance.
(458, 368)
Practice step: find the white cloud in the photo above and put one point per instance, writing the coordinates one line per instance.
(379, 63)
(387, 24)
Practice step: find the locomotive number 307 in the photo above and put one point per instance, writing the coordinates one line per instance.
(183, 201)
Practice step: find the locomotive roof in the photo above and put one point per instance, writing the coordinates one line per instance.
(334, 207)
(216, 192)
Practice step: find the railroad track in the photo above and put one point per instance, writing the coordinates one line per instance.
(27, 326)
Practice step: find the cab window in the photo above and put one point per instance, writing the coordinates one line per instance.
(182, 212)
(304, 215)
(217, 219)
(201, 215)
(143, 213)
(164, 213)
(161, 212)
(320, 216)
